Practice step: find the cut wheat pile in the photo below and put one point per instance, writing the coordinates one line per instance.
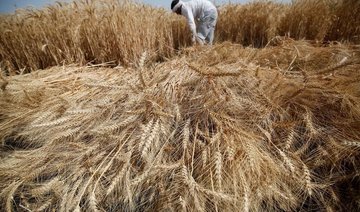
(224, 128)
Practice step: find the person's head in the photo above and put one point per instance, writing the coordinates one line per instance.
(176, 6)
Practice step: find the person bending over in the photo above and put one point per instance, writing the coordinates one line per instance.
(201, 17)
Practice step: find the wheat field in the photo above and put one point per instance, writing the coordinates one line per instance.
(100, 113)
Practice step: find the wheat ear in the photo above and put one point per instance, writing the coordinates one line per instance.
(309, 123)
(190, 182)
(145, 133)
(287, 161)
(117, 179)
(150, 140)
(218, 169)
(44, 206)
(204, 157)
(93, 202)
(141, 67)
(186, 135)
(352, 144)
(183, 204)
(54, 123)
(46, 187)
(307, 179)
(230, 153)
(5, 81)
(246, 199)
(289, 140)
(11, 189)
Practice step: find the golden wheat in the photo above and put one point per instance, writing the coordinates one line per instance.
(211, 129)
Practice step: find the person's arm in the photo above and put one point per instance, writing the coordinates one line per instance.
(191, 22)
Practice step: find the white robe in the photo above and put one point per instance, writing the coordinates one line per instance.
(205, 13)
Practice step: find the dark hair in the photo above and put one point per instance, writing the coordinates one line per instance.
(173, 3)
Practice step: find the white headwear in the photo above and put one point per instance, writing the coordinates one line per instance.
(177, 6)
